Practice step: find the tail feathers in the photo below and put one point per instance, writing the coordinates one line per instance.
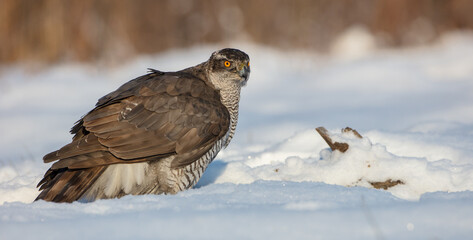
(65, 185)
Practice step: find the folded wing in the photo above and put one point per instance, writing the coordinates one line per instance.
(148, 118)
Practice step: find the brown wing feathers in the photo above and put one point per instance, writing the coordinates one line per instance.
(151, 116)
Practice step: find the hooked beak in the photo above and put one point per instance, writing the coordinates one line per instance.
(244, 72)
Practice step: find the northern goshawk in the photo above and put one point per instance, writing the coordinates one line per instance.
(155, 134)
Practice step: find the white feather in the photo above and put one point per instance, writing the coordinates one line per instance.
(120, 177)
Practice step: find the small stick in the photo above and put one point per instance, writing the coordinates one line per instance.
(349, 129)
(342, 147)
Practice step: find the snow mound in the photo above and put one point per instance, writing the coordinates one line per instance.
(363, 164)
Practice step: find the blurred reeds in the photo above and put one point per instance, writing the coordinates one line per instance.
(87, 30)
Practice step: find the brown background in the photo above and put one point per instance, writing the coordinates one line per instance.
(84, 30)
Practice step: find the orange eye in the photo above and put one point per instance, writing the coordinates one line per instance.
(248, 64)
(227, 63)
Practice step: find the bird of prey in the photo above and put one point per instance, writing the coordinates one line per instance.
(155, 134)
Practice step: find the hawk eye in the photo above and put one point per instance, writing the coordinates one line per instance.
(227, 63)
(248, 64)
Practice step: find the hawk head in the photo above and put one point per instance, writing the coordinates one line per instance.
(228, 67)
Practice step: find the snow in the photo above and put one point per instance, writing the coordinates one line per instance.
(364, 162)
(278, 179)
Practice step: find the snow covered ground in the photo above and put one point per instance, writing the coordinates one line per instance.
(277, 179)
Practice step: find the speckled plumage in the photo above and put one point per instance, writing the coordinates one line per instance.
(155, 134)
